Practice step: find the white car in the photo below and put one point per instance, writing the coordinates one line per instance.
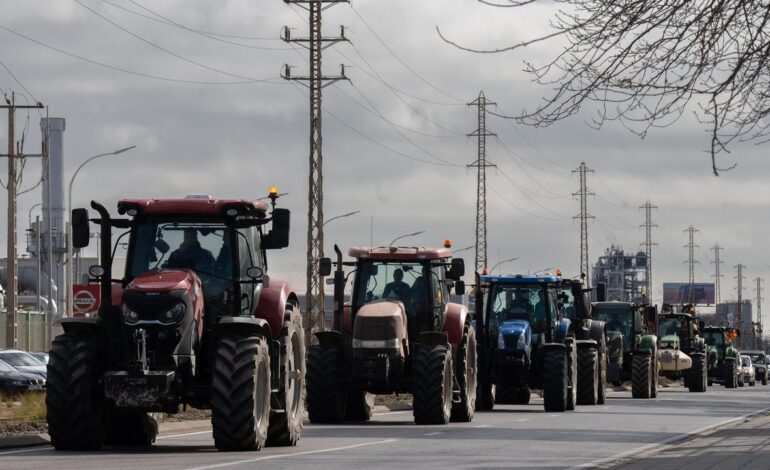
(23, 361)
(748, 374)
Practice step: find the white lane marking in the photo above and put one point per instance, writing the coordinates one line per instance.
(433, 433)
(295, 454)
(552, 416)
(665, 442)
(183, 434)
(522, 420)
(483, 426)
(31, 449)
(391, 413)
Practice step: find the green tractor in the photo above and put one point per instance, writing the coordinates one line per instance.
(633, 351)
(724, 365)
(681, 351)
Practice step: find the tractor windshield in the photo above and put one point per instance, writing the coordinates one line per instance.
(757, 358)
(714, 338)
(619, 318)
(403, 281)
(520, 302)
(674, 326)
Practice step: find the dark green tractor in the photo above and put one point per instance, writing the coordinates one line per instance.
(633, 352)
(681, 350)
(724, 365)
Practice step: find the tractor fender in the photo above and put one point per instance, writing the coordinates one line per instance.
(641, 352)
(434, 338)
(82, 325)
(249, 325)
(562, 329)
(586, 344)
(272, 304)
(331, 338)
(597, 332)
(731, 352)
(648, 342)
(454, 322)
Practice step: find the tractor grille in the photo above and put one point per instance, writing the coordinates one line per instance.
(149, 304)
(510, 341)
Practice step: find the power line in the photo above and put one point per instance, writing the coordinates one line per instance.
(516, 160)
(519, 208)
(481, 180)
(18, 81)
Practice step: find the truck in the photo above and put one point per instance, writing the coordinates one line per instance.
(202, 325)
(681, 349)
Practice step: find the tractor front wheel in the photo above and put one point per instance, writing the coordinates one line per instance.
(240, 401)
(326, 400)
(555, 382)
(432, 384)
(359, 406)
(286, 425)
(465, 373)
(698, 373)
(485, 396)
(641, 380)
(75, 408)
(730, 373)
(588, 376)
(572, 374)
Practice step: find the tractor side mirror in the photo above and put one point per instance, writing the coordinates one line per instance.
(162, 246)
(325, 266)
(80, 233)
(255, 273)
(459, 287)
(96, 271)
(457, 270)
(279, 233)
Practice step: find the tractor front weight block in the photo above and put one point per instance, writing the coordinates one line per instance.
(149, 391)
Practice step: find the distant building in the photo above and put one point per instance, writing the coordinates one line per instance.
(624, 274)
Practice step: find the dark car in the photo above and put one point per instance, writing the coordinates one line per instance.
(40, 356)
(759, 359)
(13, 382)
(23, 362)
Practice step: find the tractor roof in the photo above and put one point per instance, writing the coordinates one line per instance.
(192, 205)
(522, 279)
(399, 253)
(612, 303)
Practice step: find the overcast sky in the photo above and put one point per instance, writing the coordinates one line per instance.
(239, 128)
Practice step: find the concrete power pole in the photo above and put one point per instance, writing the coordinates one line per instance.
(11, 339)
(691, 262)
(481, 186)
(315, 81)
(648, 244)
(738, 323)
(758, 335)
(717, 275)
(583, 194)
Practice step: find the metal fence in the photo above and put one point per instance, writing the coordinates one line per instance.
(31, 330)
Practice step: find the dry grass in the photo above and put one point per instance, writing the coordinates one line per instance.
(24, 407)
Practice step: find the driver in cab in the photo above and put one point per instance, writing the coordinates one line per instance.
(398, 288)
(191, 254)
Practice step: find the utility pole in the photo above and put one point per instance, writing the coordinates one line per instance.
(758, 334)
(315, 42)
(717, 275)
(481, 184)
(583, 194)
(648, 225)
(691, 262)
(738, 323)
(11, 339)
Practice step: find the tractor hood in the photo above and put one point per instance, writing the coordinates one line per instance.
(515, 334)
(162, 280)
(381, 325)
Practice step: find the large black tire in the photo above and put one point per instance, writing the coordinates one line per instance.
(588, 376)
(764, 379)
(240, 397)
(465, 376)
(359, 406)
(698, 373)
(572, 375)
(432, 384)
(286, 425)
(130, 428)
(730, 373)
(641, 376)
(555, 386)
(601, 394)
(485, 396)
(326, 400)
(75, 406)
(654, 374)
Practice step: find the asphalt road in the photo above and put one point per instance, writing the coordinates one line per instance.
(508, 437)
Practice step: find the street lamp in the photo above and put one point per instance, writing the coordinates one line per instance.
(29, 215)
(69, 232)
(407, 235)
(341, 216)
(463, 249)
(501, 262)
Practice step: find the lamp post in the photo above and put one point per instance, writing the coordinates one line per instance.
(69, 232)
(463, 249)
(341, 216)
(501, 262)
(407, 235)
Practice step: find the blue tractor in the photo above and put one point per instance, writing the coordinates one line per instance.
(525, 343)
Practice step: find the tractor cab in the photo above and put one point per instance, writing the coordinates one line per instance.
(623, 322)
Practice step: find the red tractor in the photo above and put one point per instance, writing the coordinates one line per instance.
(400, 334)
(195, 320)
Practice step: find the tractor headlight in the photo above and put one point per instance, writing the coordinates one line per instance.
(129, 316)
(172, 315)
(500, 341)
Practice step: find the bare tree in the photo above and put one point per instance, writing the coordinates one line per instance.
(646, 62)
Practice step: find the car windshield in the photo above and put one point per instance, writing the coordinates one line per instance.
(518, 302)
(19, 359)
(5, 367)
(714, 338)
(757, 359)
(403, 281)
(618, 318)
(745, 361)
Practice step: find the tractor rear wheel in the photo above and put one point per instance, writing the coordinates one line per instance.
(465, 373)
(74, 403)
(572, 375)
(240, 401)
(588, 376)
(654, 380)
(130, 428)
(326, 400)
(764, 379)
(730, 374)
(485, 396)
(555, 381)
(432, 384)
(601, 388)
(641, 380)
(286, 425)
(698, 373)
(359, 406)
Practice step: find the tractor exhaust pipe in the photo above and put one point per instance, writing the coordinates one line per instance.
(339, 290)
(105, 227)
